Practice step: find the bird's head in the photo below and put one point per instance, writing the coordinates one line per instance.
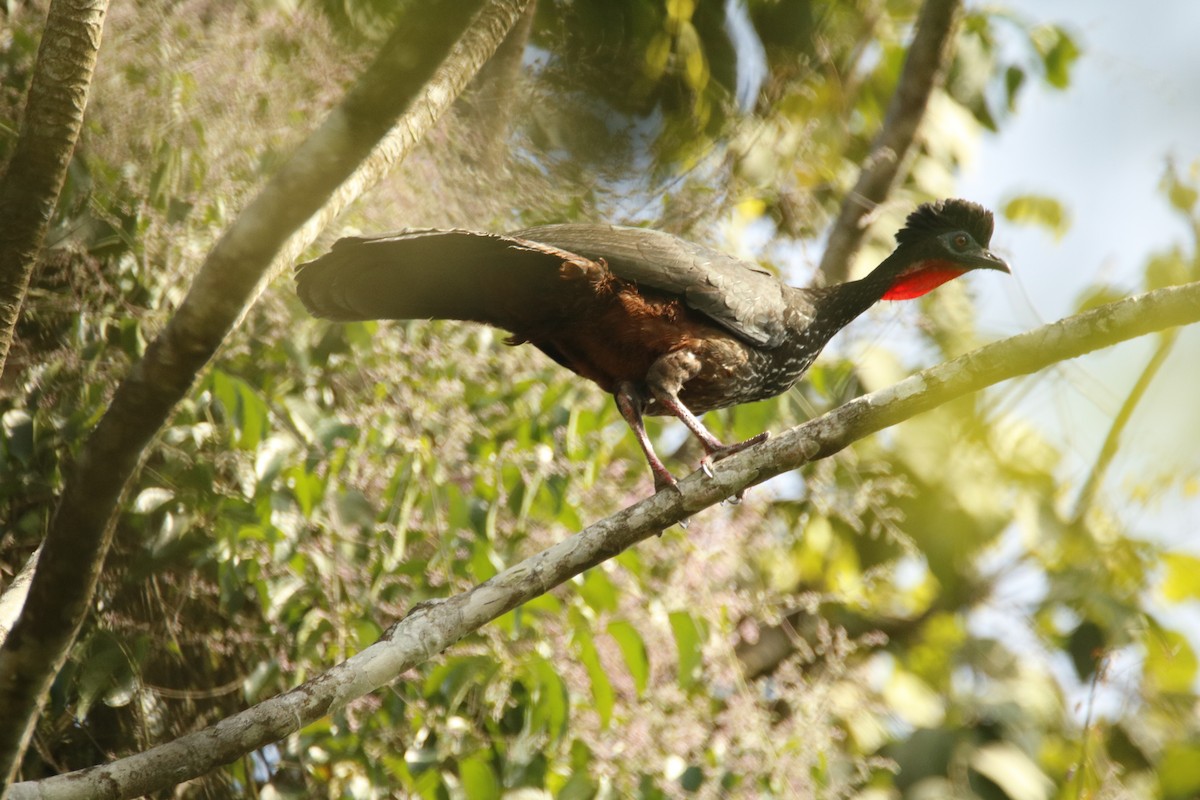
(939, 242)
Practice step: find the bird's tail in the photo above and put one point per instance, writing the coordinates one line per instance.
(431, 274)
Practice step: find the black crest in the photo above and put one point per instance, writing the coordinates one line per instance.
(943, 216)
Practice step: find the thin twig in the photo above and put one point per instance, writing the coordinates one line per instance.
(1113, 440)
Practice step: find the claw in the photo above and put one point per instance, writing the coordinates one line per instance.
(706, 466)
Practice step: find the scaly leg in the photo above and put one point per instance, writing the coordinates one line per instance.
(630, 403)
(665, 379)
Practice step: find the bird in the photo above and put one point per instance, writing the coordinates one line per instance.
(666, 326)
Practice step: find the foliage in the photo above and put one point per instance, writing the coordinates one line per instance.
(320, 480)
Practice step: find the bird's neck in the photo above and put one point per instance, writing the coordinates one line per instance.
(840, 304)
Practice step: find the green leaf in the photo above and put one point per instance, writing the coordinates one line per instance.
(1012, 770)
(1181, 580)
(633, 649)
(1097, 296)
(1170, 661)
(1035, 209)
(245, 411)
(17, 427)
(307, 488)
(602, 691)
(1179, 771)
(103, 667)
(1059, 53)
(1014, 79)
(598, 591)
(550, 700)
(151, 498)
(478, 778)
(689, 641)
(1167, 269)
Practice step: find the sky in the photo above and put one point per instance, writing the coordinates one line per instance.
(1101, 147)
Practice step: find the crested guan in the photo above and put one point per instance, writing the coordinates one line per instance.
(666, 326)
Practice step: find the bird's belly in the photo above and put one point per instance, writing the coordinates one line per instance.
(723, 381)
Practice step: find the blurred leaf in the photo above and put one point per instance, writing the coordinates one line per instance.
(1014, 79)
(1125, 751)
(1170, 661)
(1059, 53)
(1086, 646)
(307, 488)
(602, 691)
(1033, 209)
(1181, 194)
(1012, 770)
(151, 498)
(1179, 771)
(245, 410)
(598, 591)
(633, 649)
(689, 641)
(18, 434)
(550, 700)
(1098, 296)
(1167, 269)
(913, 700)
(1182, 578)
(103, 668)
(478, 778)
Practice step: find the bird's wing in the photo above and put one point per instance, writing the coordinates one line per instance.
(743, 298)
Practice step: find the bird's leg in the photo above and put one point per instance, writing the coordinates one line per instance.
(665, 378)
(630, 403)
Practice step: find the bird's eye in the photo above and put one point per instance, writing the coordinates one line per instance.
(960, 241)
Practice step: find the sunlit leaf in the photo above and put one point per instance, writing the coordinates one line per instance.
(1033, 209)
(1169, 268)
(602, 691)
(633, 649)
(1181, 579)
(550, 700)
(478, 778)
(1179, 771)
(1170, 661)
(151, 498)
(689, 641)
(1010, 768)
(1059, 53)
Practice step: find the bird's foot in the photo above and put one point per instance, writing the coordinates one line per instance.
(663, 480)
(726, 450)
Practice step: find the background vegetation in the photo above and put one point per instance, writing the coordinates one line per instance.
(827, 637)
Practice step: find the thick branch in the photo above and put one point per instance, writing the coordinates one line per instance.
(924, 67)
(81, 529)
(432, 628)
(34, 178)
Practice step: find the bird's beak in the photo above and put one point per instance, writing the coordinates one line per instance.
(986, 259)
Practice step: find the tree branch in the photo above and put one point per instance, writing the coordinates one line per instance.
(34, 177)
(432, 627)
(924, 68)
(416, 73)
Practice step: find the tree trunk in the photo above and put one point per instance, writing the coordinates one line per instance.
(53, 115)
